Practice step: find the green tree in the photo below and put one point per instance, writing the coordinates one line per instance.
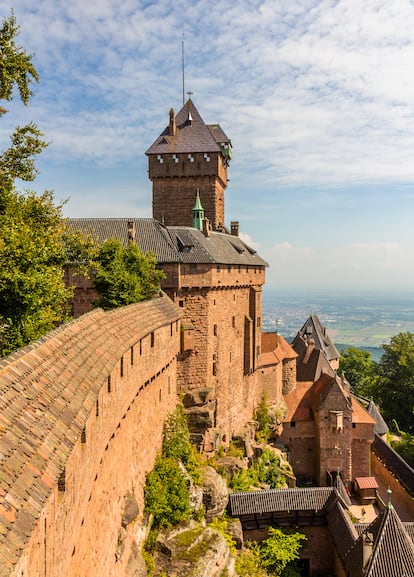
(166, 493)
(34, 246)
(359, 370)
(394, 390)
(124, 275)
(279, 551)
(17, 69)
(34, 240)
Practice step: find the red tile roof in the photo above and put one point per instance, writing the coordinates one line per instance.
(275, 349)
(366, 482)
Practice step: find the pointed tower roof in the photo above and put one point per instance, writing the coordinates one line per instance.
(198, 213)
(313, 329)
(392, 548)
(188, 133)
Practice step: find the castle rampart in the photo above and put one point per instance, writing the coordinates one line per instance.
(82, 412)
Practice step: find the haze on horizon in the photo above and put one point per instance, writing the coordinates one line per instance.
(316, 96)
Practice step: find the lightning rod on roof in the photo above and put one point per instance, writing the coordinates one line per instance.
(182, 63)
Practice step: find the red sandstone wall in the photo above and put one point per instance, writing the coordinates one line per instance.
(300, 440)
(362, 437)
(215, 366)
(334, 446)
(272, 380)
(183, 191)
(79, 533)
(175, 187)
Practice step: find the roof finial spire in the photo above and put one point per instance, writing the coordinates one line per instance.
(389, 504)
(182, 65)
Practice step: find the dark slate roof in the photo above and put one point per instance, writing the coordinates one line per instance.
(310, 367)
(152, 235)
(194, 136)
(47, 392)
(381, 427)
(313, 329)
(257, 502)
(392, 548)
(343, 530)
(172, 244)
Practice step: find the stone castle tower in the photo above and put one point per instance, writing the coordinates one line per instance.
(189, 155)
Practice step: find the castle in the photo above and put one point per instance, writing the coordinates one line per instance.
(82, 409)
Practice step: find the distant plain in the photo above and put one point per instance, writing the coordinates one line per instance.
(365, 320)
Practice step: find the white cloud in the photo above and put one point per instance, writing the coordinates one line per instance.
(316, 95)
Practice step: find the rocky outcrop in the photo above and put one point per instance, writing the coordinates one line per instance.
(215, 493)
(229, 466)
(193, 550)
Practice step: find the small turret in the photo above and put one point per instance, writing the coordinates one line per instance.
(198, 213)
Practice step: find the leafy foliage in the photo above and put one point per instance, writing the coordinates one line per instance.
(166, 493)
(17, 69)
(124, 275)
(395, 388)
(33, 251)
(177, 444)
(279, 550)
(275, 555)
(248, 564)
(263, 419)
(404, 445)
(266, 469)
(16, 65)
(359, 370)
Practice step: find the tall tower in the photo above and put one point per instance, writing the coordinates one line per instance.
(187, 156)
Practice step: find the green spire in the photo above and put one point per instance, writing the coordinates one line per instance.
(198, 213)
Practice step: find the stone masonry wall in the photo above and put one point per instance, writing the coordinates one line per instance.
(289, 375)
(335, 444)
(300, 441)
(82, 528)
(272, 379)
(175, 184)
(219, 393)
(173, 200)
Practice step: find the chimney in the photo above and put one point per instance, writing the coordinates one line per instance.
(206, 227)
(131, 231)
(310, 345)
(172, 126)
(234, 227)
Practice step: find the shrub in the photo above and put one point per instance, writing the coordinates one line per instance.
(166, 493)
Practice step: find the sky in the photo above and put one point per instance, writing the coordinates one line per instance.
(317, 98)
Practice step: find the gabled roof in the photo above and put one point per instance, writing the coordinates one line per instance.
(312, 362)
(191, 135)
(313, 329)
(172, 244)
(392, 548)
